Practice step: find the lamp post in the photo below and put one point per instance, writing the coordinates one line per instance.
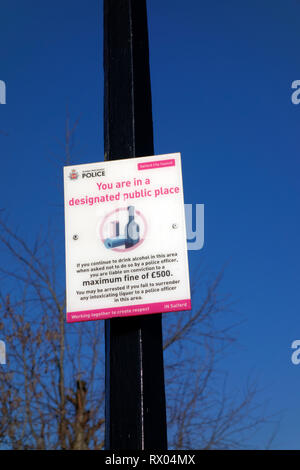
(135, 412)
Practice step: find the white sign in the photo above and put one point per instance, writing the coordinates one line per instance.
(126, 250)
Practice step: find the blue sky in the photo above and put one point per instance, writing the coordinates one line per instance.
(221, 86)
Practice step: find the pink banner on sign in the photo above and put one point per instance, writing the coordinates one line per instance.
(132, 310)
(156, 164)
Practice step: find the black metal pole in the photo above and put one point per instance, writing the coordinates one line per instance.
(135, 412)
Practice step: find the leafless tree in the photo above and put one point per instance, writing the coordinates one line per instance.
(203, 412)
(52, 388)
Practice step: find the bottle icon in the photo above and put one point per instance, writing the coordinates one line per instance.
(131, 234)
(132, 229)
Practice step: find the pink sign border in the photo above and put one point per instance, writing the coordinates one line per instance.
(129, 310)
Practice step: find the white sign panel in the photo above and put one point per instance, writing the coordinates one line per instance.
(126, 250)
